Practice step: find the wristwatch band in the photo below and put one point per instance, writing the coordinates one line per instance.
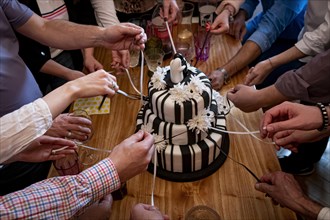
(226, 75)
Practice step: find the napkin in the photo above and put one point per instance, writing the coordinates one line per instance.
(91, 105)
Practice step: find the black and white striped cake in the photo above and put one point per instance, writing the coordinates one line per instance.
(183, 114)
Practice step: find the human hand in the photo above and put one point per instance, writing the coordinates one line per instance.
(290, 139)
(289, 116)
(120, 60)
(91, 64)
(244, 98)
(133, 155)
(258, 74)
(124, 36)
(144, 211)
(93, 84)
(75, 128)
(217, 79)
(170, 10)
(220, 24)
(40, 150)
(285, 190)
(237, 28)
(99, 210)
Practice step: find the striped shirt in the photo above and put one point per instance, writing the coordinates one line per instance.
(61, 197)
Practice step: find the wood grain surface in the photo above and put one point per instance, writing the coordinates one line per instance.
(230, 191)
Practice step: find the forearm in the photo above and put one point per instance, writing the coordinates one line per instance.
(308, 208)
(105, 12)
(270, 96)
(53, 68)
(22, 126)
(59, 99)
(249, 52)
(286, 57)
(62, 34)
(61, 197)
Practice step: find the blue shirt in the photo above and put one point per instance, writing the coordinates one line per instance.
(279, 19)
(17, 84)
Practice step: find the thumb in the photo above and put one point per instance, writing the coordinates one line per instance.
(263, 187)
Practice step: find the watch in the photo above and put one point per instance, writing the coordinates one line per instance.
(226, 75)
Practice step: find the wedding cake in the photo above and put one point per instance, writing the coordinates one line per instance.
(187, 118)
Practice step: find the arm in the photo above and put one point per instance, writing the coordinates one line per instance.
(259, 73)
(316, 41)
(310, 82)
(105, 12)
(285, 190)
(225, 12)
(67, 35)
(291, 116)
(248, 52)
(61, 196)
(53, 68)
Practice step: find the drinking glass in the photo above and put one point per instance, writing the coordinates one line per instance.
(75, 134)
(202, 45)
(202, 212)
(154, 58)
(68, 165)
(134, 57)
(185, 41)
(206, 9)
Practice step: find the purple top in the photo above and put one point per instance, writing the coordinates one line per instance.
(17, 84)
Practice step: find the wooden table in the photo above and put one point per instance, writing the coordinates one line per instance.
(230, 190)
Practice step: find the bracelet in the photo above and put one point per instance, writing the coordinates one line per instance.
(225, 75)
(325, 117)
(231, 17)
(271, 63)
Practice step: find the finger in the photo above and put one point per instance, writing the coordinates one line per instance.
(47, 140)
(79, 120)
(243, 32)
(166, 7)
(263, 187)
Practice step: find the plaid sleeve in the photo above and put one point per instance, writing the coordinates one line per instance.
(61, 197)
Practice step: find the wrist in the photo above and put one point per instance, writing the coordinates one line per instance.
(308, 208)
(226, 76)
(324, 115)
(230, 10)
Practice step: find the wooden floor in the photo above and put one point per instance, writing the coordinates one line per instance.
(317, 185)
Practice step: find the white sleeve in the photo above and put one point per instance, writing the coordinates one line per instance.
(105, 12)
(317, 41)
(324, 214)
(19, 128)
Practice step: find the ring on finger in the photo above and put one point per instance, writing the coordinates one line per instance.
(69, 134)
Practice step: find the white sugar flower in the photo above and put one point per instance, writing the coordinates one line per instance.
(179, 93)
(147, 128)
(160, 143)
(158, 79)
(202, 121)
(196, 85)
(223, 104)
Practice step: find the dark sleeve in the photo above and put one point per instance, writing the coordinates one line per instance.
(34, 54)
(310, 83)
(81, 12)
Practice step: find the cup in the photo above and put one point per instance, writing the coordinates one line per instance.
(134, 57)
(206, 10)
(76, 136)
(159, 30)
(185, 41)
(202, 45)
(89, 156)
(154, 58)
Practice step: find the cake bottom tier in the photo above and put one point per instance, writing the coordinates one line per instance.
(191, 162)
